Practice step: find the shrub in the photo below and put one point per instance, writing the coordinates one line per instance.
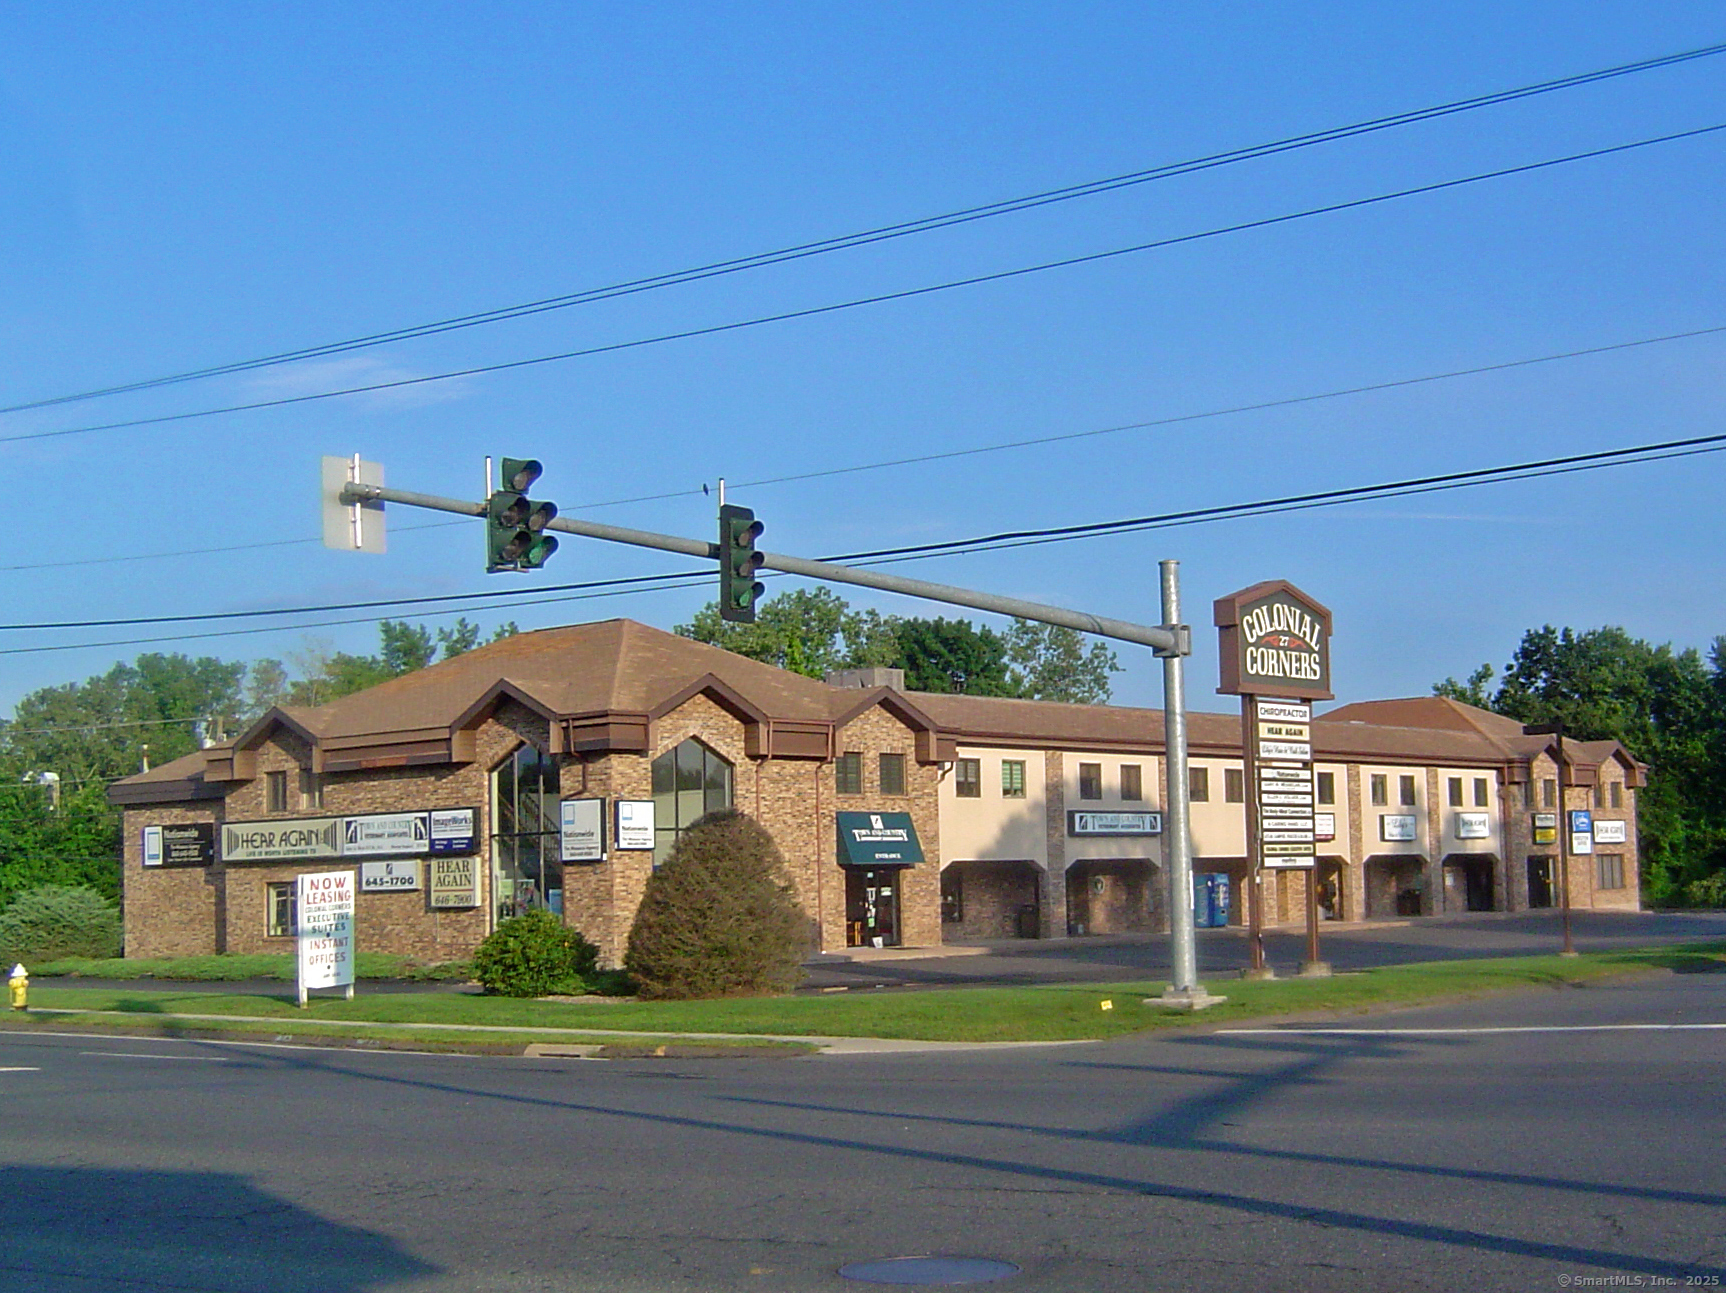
(58, 920)
(719, 919)
(1709, 891)
(534, 955)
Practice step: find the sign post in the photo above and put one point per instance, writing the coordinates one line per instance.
(1275, 655)
(324, 906)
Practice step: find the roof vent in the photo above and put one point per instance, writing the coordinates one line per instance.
(863, 679)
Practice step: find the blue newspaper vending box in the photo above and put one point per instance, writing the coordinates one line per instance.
(1210, 899)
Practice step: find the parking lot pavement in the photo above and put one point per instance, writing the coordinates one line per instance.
(1223, 952)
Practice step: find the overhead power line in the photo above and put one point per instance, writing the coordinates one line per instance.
(904, 294)
(885, 232)
(1564, 464)
(972, 451)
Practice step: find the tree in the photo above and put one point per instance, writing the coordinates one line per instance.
(1666, 707)
(810, 631)
(402, 648)
(719, 919)
(942, 655)
(75, 841)
(1048, 662)
(103, 727)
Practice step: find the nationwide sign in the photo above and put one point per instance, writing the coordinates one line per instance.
(1275, 641)
(186, 844)
(437, 830)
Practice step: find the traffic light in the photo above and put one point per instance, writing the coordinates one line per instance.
(515, 525)
(738, 562)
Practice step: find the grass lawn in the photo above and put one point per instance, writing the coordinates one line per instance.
(1065, 1012)
(260, 965)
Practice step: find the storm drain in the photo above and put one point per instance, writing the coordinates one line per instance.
(929, 1270)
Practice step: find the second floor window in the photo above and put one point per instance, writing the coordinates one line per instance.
(1199, 785)
(1090, 781)
(1454, 787)
(1408, 791)
(848, 773)
(1380, 785)
(968, 778)
(1480, 792)
(892, 772)
(276, 792)
(1234, 786)
(1012, 778)
(1326, 783)
(1132, 782)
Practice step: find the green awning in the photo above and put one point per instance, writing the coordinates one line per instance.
(878, 840)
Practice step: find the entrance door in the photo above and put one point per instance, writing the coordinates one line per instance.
(1540, 888)
(871, 907)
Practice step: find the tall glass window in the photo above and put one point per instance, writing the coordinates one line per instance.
(688, 782)
(526, 867)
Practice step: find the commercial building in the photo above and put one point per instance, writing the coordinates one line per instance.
(556, 768)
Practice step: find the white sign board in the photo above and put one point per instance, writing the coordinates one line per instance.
(399, 876)
(1283, 711)
(1396, 826)
(385, 833)
(581, 825)
(635, 824)
(324, 916)
(1473, 826)
(1324, 825)
(1611, 832)
(454, 882)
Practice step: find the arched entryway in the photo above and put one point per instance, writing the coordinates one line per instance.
(984, 900)
(1113, 896)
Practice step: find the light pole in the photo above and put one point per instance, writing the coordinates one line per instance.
(1556, 731)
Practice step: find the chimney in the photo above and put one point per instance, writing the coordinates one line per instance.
(863, 679)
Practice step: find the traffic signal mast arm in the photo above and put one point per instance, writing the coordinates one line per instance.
(1164, 640)
(1171, 641)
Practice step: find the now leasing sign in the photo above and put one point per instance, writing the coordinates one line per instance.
(324, 915)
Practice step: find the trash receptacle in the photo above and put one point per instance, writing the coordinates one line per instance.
(1210, 899)
(1025, 921)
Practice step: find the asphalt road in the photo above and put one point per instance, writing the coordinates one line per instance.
(1296, 1158)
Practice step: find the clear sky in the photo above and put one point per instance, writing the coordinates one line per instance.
(191, 185)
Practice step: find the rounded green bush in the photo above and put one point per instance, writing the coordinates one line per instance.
(53, 921)
(719, 918)
(534, 955)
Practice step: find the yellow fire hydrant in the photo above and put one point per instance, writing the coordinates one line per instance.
(19, 982)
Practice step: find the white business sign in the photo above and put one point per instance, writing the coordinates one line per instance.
(1473, 826)
(635, 824)
(401, 875)
(385, 833)
(1396, 826)
(324, 917)
(581, 825)
(1324, 825)
(1283, 711)
(1611, 832)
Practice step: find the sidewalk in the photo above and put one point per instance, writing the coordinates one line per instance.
(559, 1041)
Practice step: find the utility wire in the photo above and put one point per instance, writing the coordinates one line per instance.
(999, 447)
(1565, 464)
(886, 232)
(881, 298)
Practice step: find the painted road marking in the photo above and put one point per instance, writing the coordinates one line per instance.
(145, 1055)
(1466, 1032)
(19, 1068)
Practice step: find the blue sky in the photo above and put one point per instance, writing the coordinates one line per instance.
(191, 185)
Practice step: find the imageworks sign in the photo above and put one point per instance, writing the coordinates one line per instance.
(1274, 641)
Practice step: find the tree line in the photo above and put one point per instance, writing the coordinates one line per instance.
(1667, 707)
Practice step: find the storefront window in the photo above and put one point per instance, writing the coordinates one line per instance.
(526, 869)
(688, 782)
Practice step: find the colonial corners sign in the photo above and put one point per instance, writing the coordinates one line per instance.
(1274, 640)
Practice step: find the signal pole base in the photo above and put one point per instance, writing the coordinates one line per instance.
(1258, 975)
(1195, 998)
(1315, 969)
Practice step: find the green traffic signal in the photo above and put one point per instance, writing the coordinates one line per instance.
(738, 562)
(515, 524)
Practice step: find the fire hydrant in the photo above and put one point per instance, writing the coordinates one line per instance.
(19, 982)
